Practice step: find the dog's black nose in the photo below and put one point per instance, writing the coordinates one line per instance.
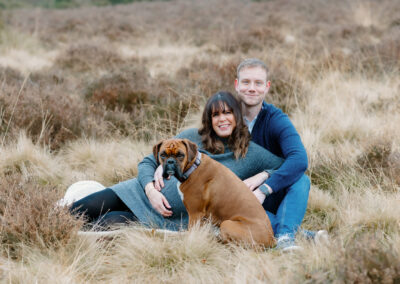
(170, 161)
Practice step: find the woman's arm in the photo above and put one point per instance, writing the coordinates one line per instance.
(146, 169)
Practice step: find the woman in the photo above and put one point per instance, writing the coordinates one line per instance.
(223, 136)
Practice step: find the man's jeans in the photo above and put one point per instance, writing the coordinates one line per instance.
(286, 208)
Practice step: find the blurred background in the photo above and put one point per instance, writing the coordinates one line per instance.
(87, 87)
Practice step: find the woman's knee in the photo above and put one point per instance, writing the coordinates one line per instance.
(95, 204)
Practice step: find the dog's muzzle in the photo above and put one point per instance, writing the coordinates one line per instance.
(170, 168)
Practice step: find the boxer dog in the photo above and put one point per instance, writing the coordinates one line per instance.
(212, 191)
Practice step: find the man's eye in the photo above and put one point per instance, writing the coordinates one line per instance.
(259, 83)
(245, 82)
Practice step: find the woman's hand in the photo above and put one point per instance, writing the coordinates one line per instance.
(158, 200)
(158, 178)
(257, 180)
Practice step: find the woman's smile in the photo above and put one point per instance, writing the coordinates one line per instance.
(223, 122)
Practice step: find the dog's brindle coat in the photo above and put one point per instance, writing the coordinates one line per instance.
(213, 191)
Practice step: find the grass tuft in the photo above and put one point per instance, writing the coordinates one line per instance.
(29, 217)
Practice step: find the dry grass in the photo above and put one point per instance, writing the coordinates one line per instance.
(84, 94)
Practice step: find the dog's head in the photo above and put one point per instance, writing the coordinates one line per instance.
(175, 155)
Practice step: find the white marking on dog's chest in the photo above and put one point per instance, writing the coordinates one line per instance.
(178, 184)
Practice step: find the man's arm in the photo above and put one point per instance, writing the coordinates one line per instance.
(286, 136)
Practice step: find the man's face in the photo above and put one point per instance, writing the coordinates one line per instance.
(252, 86)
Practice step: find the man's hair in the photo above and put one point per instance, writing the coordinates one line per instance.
(251, 62)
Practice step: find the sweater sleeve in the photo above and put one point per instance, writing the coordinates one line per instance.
(146, 169)
(286, 136)
(264, 159)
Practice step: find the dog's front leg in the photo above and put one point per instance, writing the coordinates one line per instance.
(194, 218)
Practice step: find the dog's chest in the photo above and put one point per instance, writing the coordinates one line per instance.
(178, 184)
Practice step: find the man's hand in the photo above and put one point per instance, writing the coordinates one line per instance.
(255, 181)
(260, 195)
(158, 178)
(158, 200)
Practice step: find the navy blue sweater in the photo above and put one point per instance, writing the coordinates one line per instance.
(274, 131)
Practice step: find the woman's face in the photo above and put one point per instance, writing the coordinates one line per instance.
(223, 121)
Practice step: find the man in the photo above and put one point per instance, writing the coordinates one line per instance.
(284, 193)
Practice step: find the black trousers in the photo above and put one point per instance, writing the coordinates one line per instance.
(103, 209)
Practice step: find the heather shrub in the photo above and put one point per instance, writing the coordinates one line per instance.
(119, 78)
(124, 89)
(1, 21)
(394, 166)
(29, 216)
(380, 163)
(286, 91)
(207, 76)
(328, 174)
(84, 57)
(383, 57)
(134, 104)
(50, 113)
(322, 210)
(367, 260)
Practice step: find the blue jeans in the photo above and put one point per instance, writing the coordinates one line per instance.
(287, 207)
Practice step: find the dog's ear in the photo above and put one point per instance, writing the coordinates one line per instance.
(156, 150)
(191, 149)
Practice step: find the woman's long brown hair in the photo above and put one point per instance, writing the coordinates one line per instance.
(238, 141)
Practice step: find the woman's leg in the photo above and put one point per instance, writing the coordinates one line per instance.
(99, 203)
(112, 218)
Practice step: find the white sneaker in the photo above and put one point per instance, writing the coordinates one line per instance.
(80, 190)
(286, 243)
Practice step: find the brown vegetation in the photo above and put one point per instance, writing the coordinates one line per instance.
(84, 93)
(31, 218)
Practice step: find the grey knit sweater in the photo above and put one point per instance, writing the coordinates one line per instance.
(132, 192)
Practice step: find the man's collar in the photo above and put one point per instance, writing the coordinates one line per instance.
(264, 105)
(250, 124)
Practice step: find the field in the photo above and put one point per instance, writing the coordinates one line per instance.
(86, 91)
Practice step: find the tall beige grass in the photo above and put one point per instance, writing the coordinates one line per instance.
(114, 80)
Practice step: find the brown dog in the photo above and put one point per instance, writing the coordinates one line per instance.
(211, 190)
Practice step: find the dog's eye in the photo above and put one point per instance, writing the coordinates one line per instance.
(162, 156)
(180, 155)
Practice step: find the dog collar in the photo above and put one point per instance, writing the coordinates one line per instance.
(193, 167)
